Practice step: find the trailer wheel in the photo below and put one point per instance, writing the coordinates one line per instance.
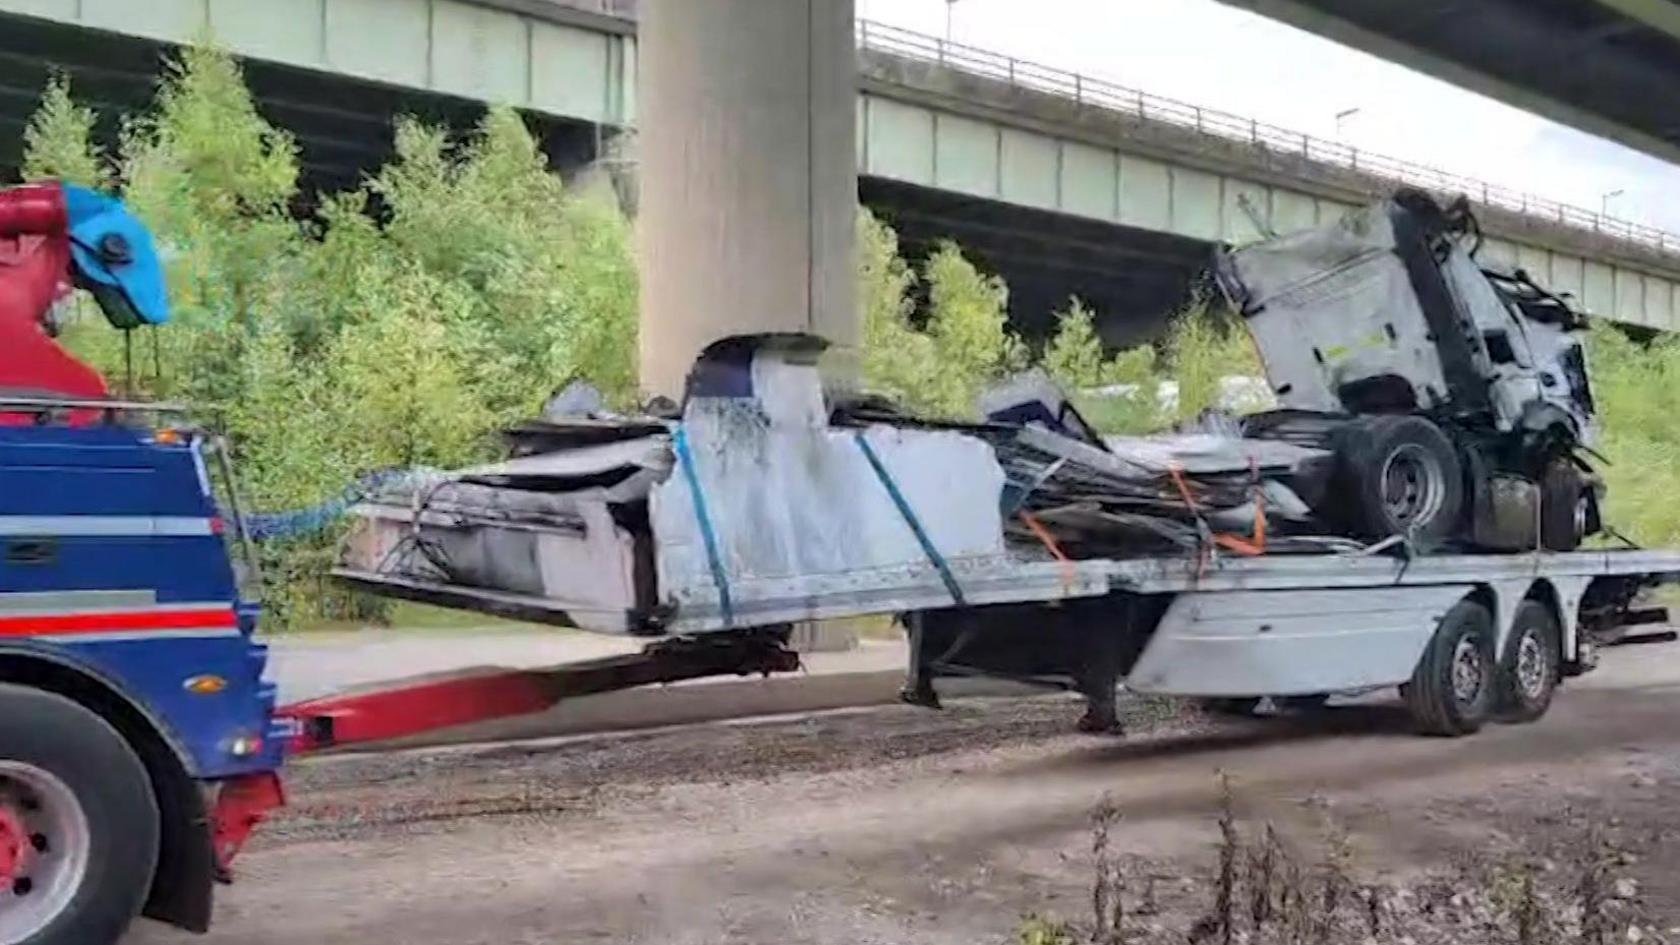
(1565, 507)
(1529, 670)
(78, 824)
(1453, 689)
(1405, 479)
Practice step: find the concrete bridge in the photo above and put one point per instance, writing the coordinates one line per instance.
(1062, 183)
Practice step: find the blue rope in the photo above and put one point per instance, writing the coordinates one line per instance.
(685, 458)
(910, 519)
(291, 523)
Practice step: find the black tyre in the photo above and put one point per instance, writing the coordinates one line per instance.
(1401, 477)
(1239, 707)
(1531, 666)
(1565, 507)
(1453, 689)
(78, 824)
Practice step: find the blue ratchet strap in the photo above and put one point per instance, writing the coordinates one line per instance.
(910, 519)
(685, 459)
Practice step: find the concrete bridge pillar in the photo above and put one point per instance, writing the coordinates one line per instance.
(748, 178)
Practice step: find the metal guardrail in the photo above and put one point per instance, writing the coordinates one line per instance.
(1100, 93)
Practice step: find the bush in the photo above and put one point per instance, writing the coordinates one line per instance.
(1637, 390)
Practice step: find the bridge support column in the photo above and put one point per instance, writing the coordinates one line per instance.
(748, 181)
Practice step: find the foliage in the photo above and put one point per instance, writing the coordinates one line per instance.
(58, 141)
(1202, 353)
(896, 360)
(356, 340)
(938, 362)
(1117, 393)
(1637, 392)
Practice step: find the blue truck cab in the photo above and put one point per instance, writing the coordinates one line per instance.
(138, 742)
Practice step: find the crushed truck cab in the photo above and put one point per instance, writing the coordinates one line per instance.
(1455, 396)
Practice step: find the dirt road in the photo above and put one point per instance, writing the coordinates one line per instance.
(903, 826)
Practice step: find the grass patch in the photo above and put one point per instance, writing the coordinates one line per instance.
(410, 617)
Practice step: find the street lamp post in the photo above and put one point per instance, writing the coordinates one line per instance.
(1605, 198)
(1342, 118)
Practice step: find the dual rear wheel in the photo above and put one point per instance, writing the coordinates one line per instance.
(1461, 684)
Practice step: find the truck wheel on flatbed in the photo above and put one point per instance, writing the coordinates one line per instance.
(1528, 672)
(1453, 689)
(1565, 507)
(1404, 478)
(78, 824)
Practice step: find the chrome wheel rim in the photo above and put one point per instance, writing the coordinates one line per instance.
(1413, 486)
(44, 845)
(1468, 671)
(1532, 666)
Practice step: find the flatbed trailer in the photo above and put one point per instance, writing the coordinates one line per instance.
(1277, 626)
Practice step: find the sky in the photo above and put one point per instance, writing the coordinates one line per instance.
(1204, 53)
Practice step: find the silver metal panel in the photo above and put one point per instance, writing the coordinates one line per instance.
(1298, 572)
(998, 580)
(1333, 305)
(805, 507)
(1272, 643)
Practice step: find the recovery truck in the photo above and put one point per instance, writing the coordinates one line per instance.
(140, 743)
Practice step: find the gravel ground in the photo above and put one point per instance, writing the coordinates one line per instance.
(898, 825)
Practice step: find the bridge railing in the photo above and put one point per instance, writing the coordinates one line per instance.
(1100, 93)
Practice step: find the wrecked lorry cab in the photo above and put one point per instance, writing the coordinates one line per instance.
(1386, 314)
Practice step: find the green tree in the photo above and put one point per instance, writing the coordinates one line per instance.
(1117, 393)
(58, 141)
(968, 322)
(897, 360)
(1203, 350)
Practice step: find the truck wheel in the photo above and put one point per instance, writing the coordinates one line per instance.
(1452, 691)
(78, 824)
(1565, 507)
(1528, 673)
(1405, 479)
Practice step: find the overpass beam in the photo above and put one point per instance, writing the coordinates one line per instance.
(748, 176)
